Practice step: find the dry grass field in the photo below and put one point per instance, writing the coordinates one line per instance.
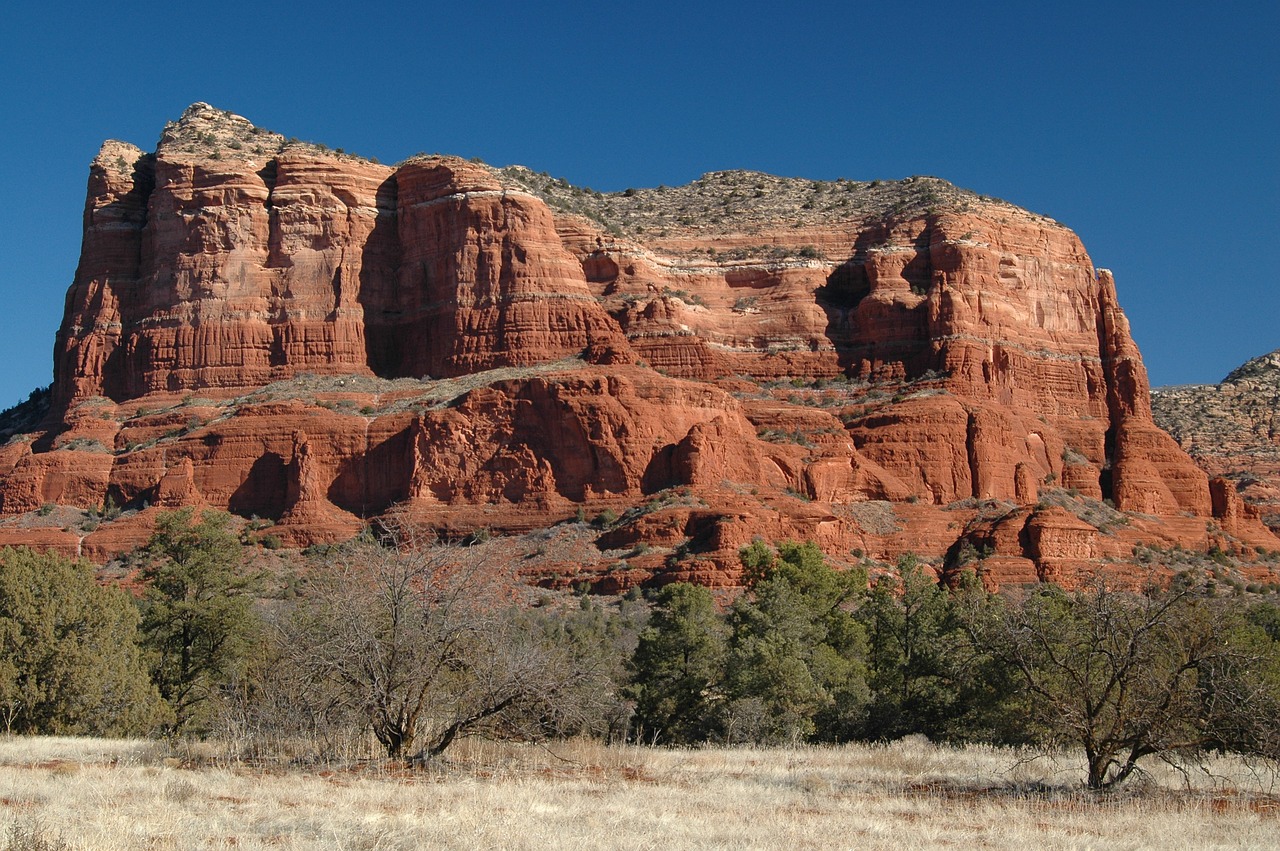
(63, 793)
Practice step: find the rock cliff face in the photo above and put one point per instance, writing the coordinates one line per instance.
(1232, 430)
(298, 334)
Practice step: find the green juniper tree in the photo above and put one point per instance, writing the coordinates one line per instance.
(198, 622)
(914, 644)
(796, 667)
(678, 668)
(69, 658)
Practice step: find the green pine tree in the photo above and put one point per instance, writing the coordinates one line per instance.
(197, 617)
(69, 658)
(796, 669)
(678, 668)
(914, 639)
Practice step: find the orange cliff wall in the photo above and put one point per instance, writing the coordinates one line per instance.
(981, 357)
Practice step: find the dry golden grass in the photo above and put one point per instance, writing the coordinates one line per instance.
(97, 794)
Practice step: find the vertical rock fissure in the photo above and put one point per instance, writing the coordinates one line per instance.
(971, 447)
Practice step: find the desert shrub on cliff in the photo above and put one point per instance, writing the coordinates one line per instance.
(69, 659)
(26, 416)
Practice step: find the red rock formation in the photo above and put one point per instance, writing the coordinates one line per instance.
(1232, 429)
(228, 272)
(308, 337)
(177, 488)
(483, 279)
(309, 516)
(1058, 541)
(59, 477)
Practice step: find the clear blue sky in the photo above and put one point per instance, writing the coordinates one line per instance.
(1151, 128)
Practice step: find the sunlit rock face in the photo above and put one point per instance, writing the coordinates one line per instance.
(305, 336)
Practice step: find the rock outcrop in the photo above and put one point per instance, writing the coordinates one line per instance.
(302, 335)
(1232, 430)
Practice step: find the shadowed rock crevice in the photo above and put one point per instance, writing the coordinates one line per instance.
(379, 291)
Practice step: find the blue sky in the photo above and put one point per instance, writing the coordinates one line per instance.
(1152, 129)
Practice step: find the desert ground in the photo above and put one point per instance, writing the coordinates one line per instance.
(67, 793)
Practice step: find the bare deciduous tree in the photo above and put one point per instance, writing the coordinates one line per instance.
(1127, 676)
(425, 642)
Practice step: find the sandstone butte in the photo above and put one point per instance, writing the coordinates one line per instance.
(311, 341)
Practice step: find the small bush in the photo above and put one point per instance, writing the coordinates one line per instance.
(32, 835)
(110, 509)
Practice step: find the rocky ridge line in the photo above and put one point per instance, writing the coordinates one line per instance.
(314, 340)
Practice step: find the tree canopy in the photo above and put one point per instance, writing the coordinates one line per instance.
(69, 657)
(198, 623)
(423, 643)
(1125, 675)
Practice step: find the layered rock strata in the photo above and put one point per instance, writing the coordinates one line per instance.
(302, 335)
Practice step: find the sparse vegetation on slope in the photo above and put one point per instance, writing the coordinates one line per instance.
(26, 415)
(207, 131)
(1231, 428)
(735, 201)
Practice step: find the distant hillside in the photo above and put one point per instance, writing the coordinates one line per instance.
(1232, 428)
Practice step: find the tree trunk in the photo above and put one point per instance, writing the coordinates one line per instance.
(394, 737)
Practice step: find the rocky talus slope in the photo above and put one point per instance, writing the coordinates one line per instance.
(313, 340)
(1232, 429)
